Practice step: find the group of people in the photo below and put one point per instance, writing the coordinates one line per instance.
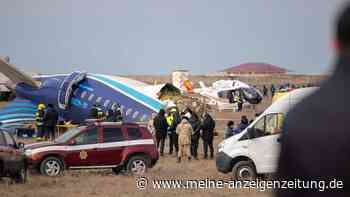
(45, 121)
(184, 131)
(283, 87)
(265, 90)
(231, 129)
(113, 114)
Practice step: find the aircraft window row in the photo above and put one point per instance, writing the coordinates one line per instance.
(106, 103)
(136, 113)
(91, 97)
(83, 94)
(128, 112)
(99, 99)
(143, 118)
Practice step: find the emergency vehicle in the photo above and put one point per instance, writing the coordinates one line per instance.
(99, 145)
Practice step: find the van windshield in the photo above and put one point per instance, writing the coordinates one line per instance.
(68, 134)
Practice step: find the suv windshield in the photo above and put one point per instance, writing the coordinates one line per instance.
(68, 135)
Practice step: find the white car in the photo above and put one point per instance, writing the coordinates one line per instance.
(256, 149)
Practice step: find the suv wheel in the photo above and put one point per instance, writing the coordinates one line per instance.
(21, 175)
(137, 165)
(51, 166)
(244, 170)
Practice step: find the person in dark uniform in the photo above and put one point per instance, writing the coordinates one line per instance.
(196, 126)
(265, 91)
(315, 140)
(161, 126)
(208, 126)
(273, 90)
(50, 121)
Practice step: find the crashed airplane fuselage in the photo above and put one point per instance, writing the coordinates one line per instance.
(74, 94)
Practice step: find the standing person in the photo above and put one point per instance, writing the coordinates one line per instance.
(173, 120)
(50, 121)
(195, 123)
(39, 120)
(265, 91)
(184, 131)
(273, 90)
(161, 127)
(208, 126)
(312, 148)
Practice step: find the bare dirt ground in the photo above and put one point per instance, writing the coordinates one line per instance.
(104, 183)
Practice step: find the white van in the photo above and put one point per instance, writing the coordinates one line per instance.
(256, 149)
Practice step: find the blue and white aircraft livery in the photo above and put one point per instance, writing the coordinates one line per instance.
(74, 94)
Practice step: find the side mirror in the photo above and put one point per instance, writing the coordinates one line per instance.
(72, 142)
(251, 132)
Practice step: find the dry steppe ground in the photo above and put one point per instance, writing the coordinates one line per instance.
(103, 183)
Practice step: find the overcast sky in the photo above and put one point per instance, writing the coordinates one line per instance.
(158, 36)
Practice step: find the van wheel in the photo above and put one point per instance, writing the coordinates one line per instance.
(21, 175)
(51, 166)
(244, 170)
(137, 165)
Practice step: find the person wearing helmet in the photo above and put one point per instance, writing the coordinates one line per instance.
(39, 120)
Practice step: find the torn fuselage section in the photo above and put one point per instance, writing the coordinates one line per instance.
(68, 86)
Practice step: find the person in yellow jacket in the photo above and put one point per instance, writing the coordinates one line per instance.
(39, 120)
(184, 131)
(173, 119)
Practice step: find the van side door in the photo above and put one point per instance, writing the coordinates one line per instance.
(264, 147)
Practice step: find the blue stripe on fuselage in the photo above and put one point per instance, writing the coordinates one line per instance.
(12, 116)
(15, 105)
(12, 110)
(153, 103)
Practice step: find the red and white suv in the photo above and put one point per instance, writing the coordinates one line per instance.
(126, 146)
